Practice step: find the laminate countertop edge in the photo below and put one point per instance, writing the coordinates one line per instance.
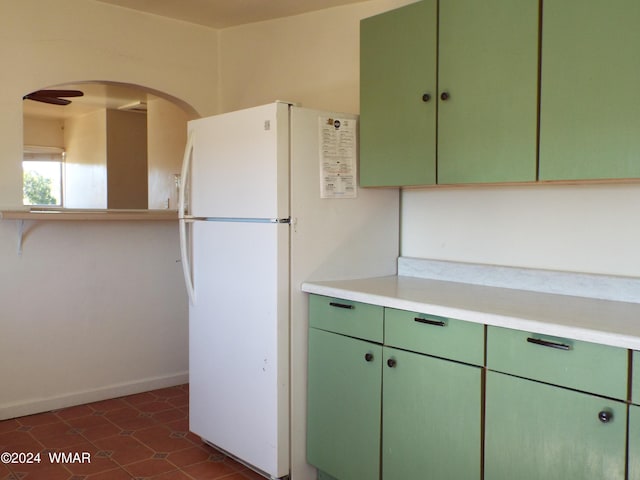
(599, 321)
(89, 215)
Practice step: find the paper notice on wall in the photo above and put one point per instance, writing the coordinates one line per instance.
(338, 158)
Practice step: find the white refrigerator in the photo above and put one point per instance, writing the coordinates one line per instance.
(269, 200)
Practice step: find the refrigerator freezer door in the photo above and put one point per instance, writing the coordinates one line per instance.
(240, 164)
(238, 341)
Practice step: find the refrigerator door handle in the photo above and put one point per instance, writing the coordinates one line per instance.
(186, 264)
(186, 163)
(184, 251)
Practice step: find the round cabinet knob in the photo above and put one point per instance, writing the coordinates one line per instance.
(445, 96)
(368, 357)
(391, 362)
(605, 416)
(426, 97)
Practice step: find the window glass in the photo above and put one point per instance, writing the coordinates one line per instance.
(42, 178)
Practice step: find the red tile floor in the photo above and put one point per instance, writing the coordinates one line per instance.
(143, 436)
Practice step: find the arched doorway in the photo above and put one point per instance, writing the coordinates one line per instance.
(117, 146)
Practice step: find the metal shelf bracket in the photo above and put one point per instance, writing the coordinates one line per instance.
(20, 236)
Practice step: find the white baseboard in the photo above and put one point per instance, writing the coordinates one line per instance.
(31, 406)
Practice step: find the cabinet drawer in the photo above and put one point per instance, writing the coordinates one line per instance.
(433, 335)
(355, 319)
(570, 363)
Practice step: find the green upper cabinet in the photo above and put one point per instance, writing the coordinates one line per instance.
(449, 97)
(398, 54)
(590, 100)
(488, 69)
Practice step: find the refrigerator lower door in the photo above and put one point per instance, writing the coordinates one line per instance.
(238, 341)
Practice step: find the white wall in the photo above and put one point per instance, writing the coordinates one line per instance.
(311, 59)
(43, 132)
(96, 309)
(85, 171)
(166, 138)
(90, 310)
(578, 228)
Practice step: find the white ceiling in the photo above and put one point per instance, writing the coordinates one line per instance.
(227, 13)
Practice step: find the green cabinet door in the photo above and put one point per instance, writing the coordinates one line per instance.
(431, 420)
(635, 377)
(398, 52)
(343, 406)
(538, 431)
(488, 67)
(589, 121)
(484, 56)
(634, 442)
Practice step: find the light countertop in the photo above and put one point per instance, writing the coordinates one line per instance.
(88, 215)
(605, 322)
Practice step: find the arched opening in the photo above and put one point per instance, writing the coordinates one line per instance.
(117, 146)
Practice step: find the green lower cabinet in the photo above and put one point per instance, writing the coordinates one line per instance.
(538, 431)
(343, 406)
(431, 418)
(635, 379)
(634, 442)
(325, 476)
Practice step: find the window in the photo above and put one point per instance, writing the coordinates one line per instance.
(42, 176)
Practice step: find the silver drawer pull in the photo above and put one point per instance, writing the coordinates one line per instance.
(428, 321)
(547, 343)
(341, 305)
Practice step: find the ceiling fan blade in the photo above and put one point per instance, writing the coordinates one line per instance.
(53, 96)
(51, 100)
(58, 93)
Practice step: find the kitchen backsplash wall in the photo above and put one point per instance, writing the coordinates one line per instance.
(576, 228)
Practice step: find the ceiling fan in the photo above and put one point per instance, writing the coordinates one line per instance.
(54, 97)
